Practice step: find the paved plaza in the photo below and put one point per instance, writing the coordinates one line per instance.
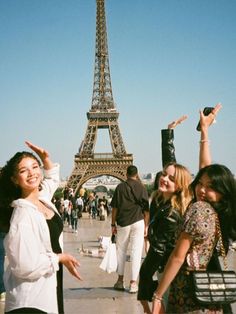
(95, 294)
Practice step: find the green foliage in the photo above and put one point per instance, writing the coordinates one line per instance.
(149, 188)
(59, 193)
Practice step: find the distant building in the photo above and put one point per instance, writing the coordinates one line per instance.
(110, 182)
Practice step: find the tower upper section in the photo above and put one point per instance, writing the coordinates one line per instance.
(102, 99)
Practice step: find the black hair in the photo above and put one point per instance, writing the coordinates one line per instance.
(132, 171)
(8, 190)
(223, 182)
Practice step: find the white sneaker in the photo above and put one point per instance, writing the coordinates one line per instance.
(133, 288)
(2, 296)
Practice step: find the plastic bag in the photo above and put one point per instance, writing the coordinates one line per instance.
(104, 242)
(109, 262)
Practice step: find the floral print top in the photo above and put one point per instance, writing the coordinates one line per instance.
(200, 224)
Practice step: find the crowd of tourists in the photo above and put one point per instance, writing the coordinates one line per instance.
(185, 225)
(71, 207)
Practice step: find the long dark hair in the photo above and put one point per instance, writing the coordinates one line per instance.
(8, 190)
(223, 182)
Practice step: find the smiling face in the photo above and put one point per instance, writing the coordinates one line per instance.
(167, 185)
(28, 175)
(205, 192)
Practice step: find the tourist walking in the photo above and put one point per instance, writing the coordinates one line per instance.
(74, 219)
(129, 221)
(66, 212)
(92, 206)
(79, 204)
(101, 210)
(33, 244)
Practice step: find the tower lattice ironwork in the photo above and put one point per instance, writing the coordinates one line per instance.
(102, 115)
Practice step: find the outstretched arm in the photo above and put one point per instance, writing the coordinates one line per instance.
(167, 141)
(205, 122)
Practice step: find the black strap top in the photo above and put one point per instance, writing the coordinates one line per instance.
(55, 226)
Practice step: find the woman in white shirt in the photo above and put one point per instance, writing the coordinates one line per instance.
(33, 278)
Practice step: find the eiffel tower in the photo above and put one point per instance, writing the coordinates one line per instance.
(102, 115)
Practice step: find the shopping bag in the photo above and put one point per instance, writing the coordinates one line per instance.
(109, 262)
(104, 242)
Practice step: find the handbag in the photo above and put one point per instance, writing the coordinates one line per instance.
(215, 288)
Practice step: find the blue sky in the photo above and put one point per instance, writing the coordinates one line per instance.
(167, 58)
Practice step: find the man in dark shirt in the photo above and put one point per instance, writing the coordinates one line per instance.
(130, 218)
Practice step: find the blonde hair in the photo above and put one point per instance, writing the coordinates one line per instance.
(183, 194)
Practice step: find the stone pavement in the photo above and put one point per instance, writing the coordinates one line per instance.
(95, 294)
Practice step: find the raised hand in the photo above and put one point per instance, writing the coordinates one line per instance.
(206, 121)
(41, 152)
(174, 123)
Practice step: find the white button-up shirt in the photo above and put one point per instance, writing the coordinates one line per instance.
(30, 277)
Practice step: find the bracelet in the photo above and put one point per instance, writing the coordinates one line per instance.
(156, 297)
(113, 225)
(203, 141)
